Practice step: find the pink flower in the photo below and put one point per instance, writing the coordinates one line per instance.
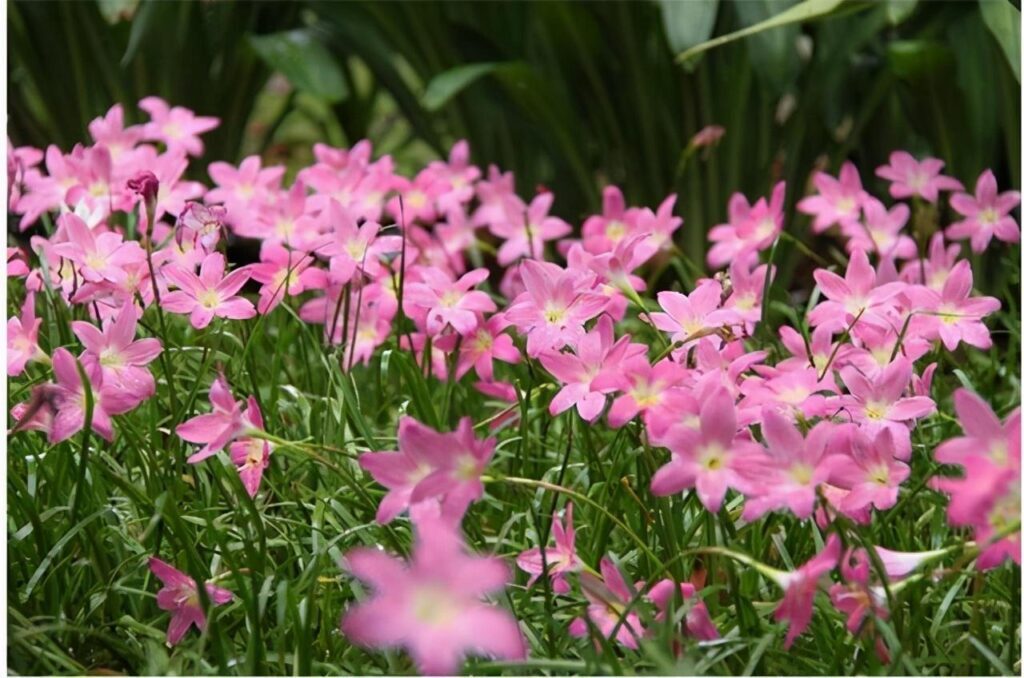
(709, 459)
(99, 257)
(751, 228)
(180, 597)
(202, 224)
(352, 248)
(882, 231)
(176, 127)
(644, 387)
(607, 609)
(707, 136)
(282, 272)
(856, 294)
(910, 177)
(870, 470)
(602, 232)
(481, 347)
(788, 473)
(936, 267)
(554, 307)
(525, 228)
(986, 437)
(878, 403)
(597, 351)
(251, 455)
(697, 621)
(953, 315)
(210, 294)
(560, 560)
(431, 605)
(838, 200)
(217, 428)
(245, 188)
(68, 398)
(797, 604)
(987, 213)
(690, 317)
(110, 131)
(23, 338)
(660, 225)
(430, 465)
(120, 358)
(450, 302)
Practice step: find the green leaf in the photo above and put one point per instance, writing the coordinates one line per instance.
(808, 10)
(772, 52)
(306, 63)
(444, 86)
(1003, 20)
(897, 11)
(687, 23)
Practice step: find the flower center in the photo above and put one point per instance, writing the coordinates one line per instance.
(209, 299)
(433, 606)
(615, 230)
(466, 468)
(554, 315)
(712, 457)
(95, 261)
(801, 473)
(879, 475)
(417, 199)
(450, 298)
(988, 216)
(110, 358)
(483, 341)
(875, 410)
(845, 205)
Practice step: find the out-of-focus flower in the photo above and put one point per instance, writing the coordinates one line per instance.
(180, 597)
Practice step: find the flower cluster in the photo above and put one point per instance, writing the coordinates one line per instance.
(454, 267)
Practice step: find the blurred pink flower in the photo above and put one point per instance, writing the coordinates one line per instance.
(910, 177)
(987, 213)
(180, 597)
(560, 561)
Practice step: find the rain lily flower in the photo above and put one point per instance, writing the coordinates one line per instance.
(449, 302)
(597, 351)
(282, 272)
(910, 177)
(659, 225)
(525, 228)
(936, 267)
(690, 317)
(788, 473)
(854, 295)
(180, 597)
(801, 585)
(23, 338)
(838, 200)
(217, 428)
(879, 403)
(644, 387)
(560, 561)
(176, 127)
(430, 465)
(985, 436)
(201, 224)
(602, 232)
(697, 621)
(100, 256)
(244, 188)
(554, 307)
(882, 231)
(121, 358)
(708, 460)
(431, 606)
(751, 228)
(871, 470)
(210, 294)
(69, 399)
(251, 455)
(953, 315)
(987, 213)
(481, 347)
(607, 609)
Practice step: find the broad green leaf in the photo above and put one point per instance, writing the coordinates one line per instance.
(444, 86)
(773, 51)
(306, 63)
(808, 10)
(1003, 20)
(687, 23)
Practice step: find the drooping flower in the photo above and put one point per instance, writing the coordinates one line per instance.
(430, 465)
(708, 460)
(217, 428)
(180, 597)
(987, 212)
(23, 337)
(910, 177)
(431, 606)
(210, 294)
(250, 454)
(607, 609)
(801, 585)
(560, 560)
